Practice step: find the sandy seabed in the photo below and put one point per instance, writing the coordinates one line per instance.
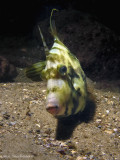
(27, 131)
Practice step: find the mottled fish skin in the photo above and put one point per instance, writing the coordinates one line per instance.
(66, 81)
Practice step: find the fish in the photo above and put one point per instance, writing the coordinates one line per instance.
(66, 81)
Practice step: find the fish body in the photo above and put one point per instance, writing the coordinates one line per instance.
(66, 81)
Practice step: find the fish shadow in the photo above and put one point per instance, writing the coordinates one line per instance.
(66, 126)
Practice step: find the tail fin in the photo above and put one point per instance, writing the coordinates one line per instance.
(52, 25)
(44, 43)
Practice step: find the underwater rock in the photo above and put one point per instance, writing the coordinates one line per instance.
(7, 71)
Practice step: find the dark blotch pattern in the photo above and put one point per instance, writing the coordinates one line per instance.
(83, 76)
(75, 104)
(79, 92)
(73, 74)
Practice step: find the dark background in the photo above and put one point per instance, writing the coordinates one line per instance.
(18, 17)
(19, 43)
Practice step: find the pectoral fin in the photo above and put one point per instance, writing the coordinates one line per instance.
(34, 72)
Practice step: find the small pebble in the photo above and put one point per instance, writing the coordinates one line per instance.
(63, 144)
(61, 151)
(108, 131)
(71, 145)
(38, 125)
(38, 131)
(98, 120)
(12, 123)
(100, 126)
(103, 116)
(48, 131)
(115, 129)
(6, 115)
(91, 156)
(81, 158)
(25, 96)
(43, 91)
(25, 89)
(73, 152)
(107, 111)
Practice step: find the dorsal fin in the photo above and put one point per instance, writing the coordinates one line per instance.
(44, 43)
(52, 25)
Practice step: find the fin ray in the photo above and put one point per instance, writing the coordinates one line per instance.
(44, 43)
(52, 25)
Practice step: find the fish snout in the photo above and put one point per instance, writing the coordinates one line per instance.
(53, 106)
(53, 109)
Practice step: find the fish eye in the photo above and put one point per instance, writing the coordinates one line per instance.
(63, 70)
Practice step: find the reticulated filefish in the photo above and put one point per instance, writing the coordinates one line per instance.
(66, 81)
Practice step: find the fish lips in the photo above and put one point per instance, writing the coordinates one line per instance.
(53, 106)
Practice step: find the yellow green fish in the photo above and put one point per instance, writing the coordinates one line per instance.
(66, 81)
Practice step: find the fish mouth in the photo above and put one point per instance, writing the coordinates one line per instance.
(53, 109)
